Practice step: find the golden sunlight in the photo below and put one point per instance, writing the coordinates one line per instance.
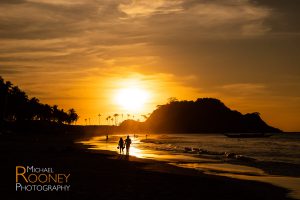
(132, 98)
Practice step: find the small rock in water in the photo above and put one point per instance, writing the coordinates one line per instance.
(230, 155)
(202, 151)
(196, 149)
(187, 149)
(244, 158)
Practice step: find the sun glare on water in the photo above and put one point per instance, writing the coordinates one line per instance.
(132, 99)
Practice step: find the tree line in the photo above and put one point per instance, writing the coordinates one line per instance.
(15, 105)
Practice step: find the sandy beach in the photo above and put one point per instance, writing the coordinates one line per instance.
(107, 175)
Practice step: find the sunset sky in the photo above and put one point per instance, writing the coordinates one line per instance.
(84, 54)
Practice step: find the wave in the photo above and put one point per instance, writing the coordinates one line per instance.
(200, 152)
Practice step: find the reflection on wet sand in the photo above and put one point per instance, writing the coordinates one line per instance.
(137, 149)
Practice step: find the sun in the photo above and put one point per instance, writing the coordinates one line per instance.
(132, 99)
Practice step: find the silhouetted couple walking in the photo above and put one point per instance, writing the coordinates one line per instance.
(124, 144)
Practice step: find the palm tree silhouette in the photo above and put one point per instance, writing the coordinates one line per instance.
(128, 116)
(99, 118)
(55, 112)
(144, 116)
(85, 121)
(108, 118)
(4, 89)
(116, 115)
(16, 105)
(72, 116)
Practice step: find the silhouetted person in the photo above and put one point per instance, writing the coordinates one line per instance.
(127, 144)
(121, 145)
(106, 137)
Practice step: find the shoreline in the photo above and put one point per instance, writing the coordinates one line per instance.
(106, 175)
(280, 174)
(276, 168)
(275, 178)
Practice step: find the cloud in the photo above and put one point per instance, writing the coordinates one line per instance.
(138, 8)
(11, 1)
(207, 18)
(5, 71)
(62, 34)
(59, 2)
(46, 21)
(244, 89)
(60, 19)
(284, 20)
(143, 36)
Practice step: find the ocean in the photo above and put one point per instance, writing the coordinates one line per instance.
(274, 159)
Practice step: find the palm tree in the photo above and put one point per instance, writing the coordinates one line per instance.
(18, 104)
(112, 120)
(15, 105)
(116, 115)
(99, 115)
(45, 112)
(85, 121)
(55, 113)
(128, 116)
(34, 109)
(108, 118)
(62, 116)
(145, 116)
(4, 92)
(72, 116)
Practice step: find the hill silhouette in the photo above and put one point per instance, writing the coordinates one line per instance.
(205, 115)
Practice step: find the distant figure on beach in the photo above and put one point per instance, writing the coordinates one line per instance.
(106, 137)
(121, 145)
(127, 144)
(146, 137)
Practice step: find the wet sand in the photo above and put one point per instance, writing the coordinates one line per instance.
(286, 175)
(106, 175)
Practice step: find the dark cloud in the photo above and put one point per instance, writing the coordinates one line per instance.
(12, 1)
(286, 14)
(48, 20)
(12, 71)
